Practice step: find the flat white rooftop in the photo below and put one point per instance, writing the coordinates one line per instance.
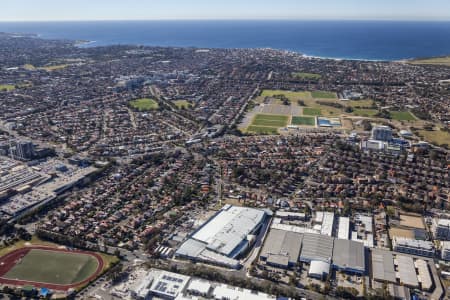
(406, 271)
(344, 228)
(228, 292)
(224, 232)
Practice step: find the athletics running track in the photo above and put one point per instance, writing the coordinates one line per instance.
(8, 261)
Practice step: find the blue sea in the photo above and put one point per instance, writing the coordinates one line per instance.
(368, 40)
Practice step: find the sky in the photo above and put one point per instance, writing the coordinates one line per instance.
(54, 10)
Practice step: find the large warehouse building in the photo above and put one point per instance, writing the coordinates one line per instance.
(224, 237)
(383, 269)
(316, 247)
(349, 256)
(282, 248)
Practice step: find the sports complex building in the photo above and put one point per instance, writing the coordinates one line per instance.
(225, 236)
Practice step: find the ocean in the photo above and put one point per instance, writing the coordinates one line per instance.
(366, 40)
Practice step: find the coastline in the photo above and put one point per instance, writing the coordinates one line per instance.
(381, 41)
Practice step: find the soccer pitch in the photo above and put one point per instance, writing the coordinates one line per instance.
(310, 121)
(270, 120)
(402, 116)
(53, 267)
(144, 104)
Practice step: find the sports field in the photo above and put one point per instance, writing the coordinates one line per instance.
(311, 121)
(402, 116)
(323, 95)
(144, 104)
(365, 112)
(311, 111)
(270, 120)
(53, 267)
(267, 124)
(263, 129)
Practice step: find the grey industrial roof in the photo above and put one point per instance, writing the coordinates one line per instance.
(349, 254)
(282, 247)
(398, 292)
(317, 247)
(406, 270)
(191, 248)
(383, 265)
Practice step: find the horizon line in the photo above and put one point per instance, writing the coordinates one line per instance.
(228, 19)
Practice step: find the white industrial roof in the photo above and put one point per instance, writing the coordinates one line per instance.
(367, 221)
(161, 282)
(327, 223)
(293, 228)
(412, 243)
(406, 271)
(424, 276)
(226, 230)
(290, 214)
(344, 228)
(143, 287)
(193, 249)
(319, 217)
(445, 245)
(444, 222)
(383, 265)
(199, 286)
(319, 268)
(168, 284)
(233, 293)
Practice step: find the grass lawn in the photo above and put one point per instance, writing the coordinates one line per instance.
(182, 104)
(358, 103)
(270, 120)
(311, 111)
(302, 75)
(432, 61)
(54, 267)
(323, 95)
(263, 129)
(402, 116)
(144, 104)
(291, 95)
(7, 87)
(310, 121)
(365, 112)
(108, 260)
(307, 99)
(437, 137)
(21, 243)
